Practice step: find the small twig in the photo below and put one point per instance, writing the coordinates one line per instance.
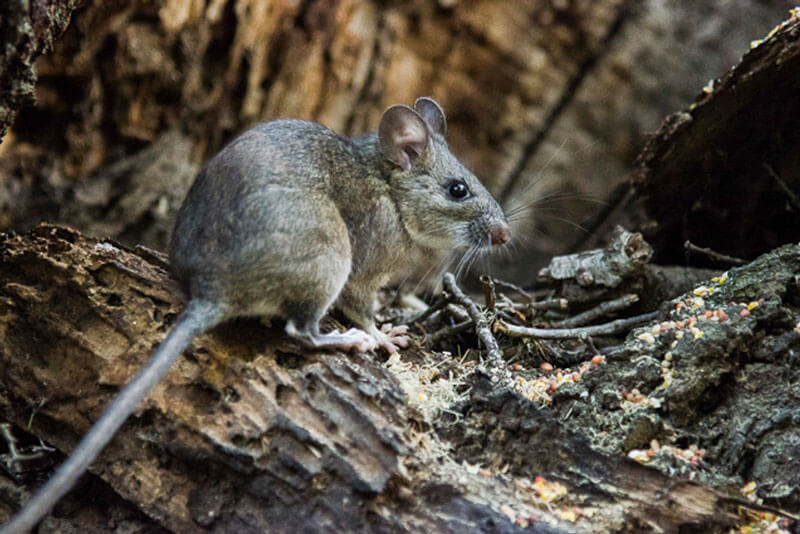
(613, 351)
(489, 293)
(449, 331)
(793, 200)
(516, 288)
(760, 506)
(482, 329)
(505, 302)
(598, 311)
(543, 305)
(457, 312)
(506, 315)
(438, 304)
(691, 247)
(614, 327)
(11, 445)
(14, 457)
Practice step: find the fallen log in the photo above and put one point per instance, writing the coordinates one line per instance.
(250, 433)
(246, 433)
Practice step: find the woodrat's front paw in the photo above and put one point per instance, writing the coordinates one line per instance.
(391, 338)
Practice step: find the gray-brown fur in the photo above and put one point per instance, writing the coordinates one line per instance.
(290, 218)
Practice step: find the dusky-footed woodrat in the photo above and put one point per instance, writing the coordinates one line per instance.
(290, 219)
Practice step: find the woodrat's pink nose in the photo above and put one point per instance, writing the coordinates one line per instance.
(499, 233)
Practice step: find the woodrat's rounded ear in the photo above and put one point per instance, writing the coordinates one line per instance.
(403, 135)
(433, 114)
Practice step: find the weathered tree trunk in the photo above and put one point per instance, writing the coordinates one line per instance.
(247, 433)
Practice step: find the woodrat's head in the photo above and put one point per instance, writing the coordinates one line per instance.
(442, 204)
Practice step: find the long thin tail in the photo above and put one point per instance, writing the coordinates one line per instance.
(196, 318)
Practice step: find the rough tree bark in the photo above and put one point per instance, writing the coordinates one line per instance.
(249, 434)
(541, 95)
(246, 433)
(28, 30)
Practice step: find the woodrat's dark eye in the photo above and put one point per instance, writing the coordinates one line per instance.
(458, 189)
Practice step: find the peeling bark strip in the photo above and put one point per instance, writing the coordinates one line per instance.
(709, 173)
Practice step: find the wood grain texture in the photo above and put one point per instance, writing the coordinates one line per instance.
(81, 315)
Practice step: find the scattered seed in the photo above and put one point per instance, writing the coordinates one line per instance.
(655, 330)
(647, 337)
(508, 512)
(700, 291)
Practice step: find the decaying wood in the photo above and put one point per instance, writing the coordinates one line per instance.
(705, 176)
(696, 373)
(616, 271)
(246, 433)
(652, 64)
(690, 378)
(624, 257)
(249, 432)
(27, 30)
(130, 77)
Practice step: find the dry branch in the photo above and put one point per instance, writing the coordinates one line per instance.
(482, 329)
(614, 327)
(600, 310)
